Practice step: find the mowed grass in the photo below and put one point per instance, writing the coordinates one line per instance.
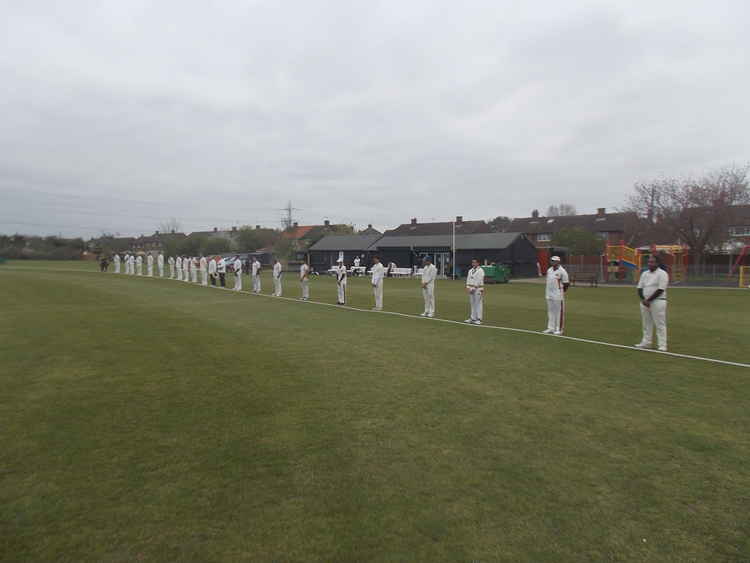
(154, 420)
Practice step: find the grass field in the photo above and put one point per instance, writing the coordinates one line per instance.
(154, 420)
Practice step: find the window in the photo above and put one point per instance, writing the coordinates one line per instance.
(544, 237)
(740, 231)
(603, 235)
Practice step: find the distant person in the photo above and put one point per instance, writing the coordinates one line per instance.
(255, 272)
(356, 262)
(178, 267)
(187, 264)
(557, 284)
(150, 265)
(475, 289)
(652, 291)
(340, 271)
(378, 275)
(170, 261)
(391, 268)
(103, 264)
(429, 275)
(237, 274)
(139, 265)
(221, 269)
(277, 273)
(160, 264)
(304, 280)
(204, 270)
(116, 262)
(212, 271)
(131, 264)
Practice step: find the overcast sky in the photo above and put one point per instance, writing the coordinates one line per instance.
(116, 116)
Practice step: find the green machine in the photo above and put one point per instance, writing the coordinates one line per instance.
(496, 273)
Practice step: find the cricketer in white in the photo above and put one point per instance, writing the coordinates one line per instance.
(429, 275)
(557, 284)
(475, 289)
(652, 291)
(378, 275)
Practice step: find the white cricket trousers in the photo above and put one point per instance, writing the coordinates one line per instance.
(277, 287)
(171, 271)
(655, 317)
(256, 283)
(341, 293)
(150, 270)
(204, 277)
(305, 288)
(555, 315)
(139, 269)
(179, 274)
(161, 270)
(476, 299)
(194, 274)
(238, 281)
(117, 267)
(377, 291)
(429, 299)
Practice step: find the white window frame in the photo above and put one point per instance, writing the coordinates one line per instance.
(544, 237)
(740, 231)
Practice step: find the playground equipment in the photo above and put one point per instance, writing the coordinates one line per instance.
(622, 259)
(745, 276)
(740, 258)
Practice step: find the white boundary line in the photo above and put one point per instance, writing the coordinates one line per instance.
(419, 317)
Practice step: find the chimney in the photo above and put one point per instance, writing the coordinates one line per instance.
(295, 224)
(369, 225)
(601, 211)
(327, 223)
(215, 229)
(156, 234)
(459, 219)
(234, 229)
(414, 221)
(535, 214)
(257, 226)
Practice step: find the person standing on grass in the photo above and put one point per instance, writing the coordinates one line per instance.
(160, 264)
(237, 274)
(221, 269)
(340, 271)
(186, 265)
(204, 270)
(277, 278)
(139, 265)
(475, 289)
(170, 262)
(557, 284)
(150, 265)
(652, 291)
(194, 269)
(212, 271)
(126, 263)
(378, 275)
(116, 262)
(429, 275)
(304, 280)
(178, 267)
(255, 271)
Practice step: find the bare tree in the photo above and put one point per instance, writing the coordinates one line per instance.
(171, 225)
(561, 210)
(695, 211)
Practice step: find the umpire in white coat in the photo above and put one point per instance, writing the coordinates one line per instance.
(150, 265)
(378, 275)
(204, 270)
(116, 260)
(304, 280)
(170, 261)
(475, 289)
(652, 291)
(429, 275)
(255, 272)
(160, 264)
(139, 265)
(237, 274)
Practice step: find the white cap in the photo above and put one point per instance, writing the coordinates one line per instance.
(555, 258)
